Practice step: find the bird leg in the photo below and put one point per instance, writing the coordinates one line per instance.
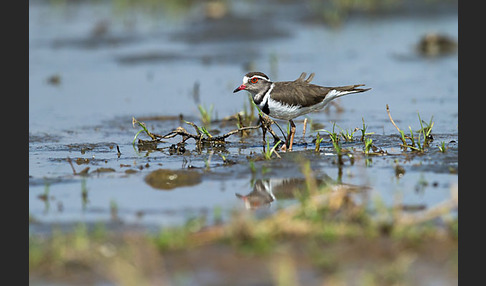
(291, 135)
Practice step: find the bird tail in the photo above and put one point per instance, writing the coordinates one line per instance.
(350, 89)
(339, 91)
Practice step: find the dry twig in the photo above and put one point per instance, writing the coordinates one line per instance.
(391, 119)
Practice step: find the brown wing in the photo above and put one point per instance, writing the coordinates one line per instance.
(299, 93)
(302, 93)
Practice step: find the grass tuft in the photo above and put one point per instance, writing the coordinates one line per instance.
(419, 142)
(335, 143)
(269, 151)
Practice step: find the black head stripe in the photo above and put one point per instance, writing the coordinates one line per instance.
(252, 74)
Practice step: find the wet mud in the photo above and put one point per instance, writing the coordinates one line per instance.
(166, 179)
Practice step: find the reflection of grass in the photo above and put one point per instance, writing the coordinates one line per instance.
(368, 144)
(336, 144)
(318, 142)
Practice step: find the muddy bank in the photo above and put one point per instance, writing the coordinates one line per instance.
(384, 261)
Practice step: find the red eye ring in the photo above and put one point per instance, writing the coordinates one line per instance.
(254, 80)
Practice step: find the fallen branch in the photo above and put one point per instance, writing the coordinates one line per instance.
(200, 137)
(265, 123)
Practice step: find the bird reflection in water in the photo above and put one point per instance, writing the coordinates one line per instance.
(266, 191)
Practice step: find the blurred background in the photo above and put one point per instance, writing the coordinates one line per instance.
(93, 60)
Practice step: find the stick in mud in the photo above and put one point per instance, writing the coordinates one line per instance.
(391, 119)
(118, 153)
(304, 129)
(393, 122)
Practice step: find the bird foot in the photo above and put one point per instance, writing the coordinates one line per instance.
(284, 148)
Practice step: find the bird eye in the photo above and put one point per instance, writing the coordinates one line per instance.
(254, 80)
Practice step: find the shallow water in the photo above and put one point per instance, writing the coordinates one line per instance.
(109, 65)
